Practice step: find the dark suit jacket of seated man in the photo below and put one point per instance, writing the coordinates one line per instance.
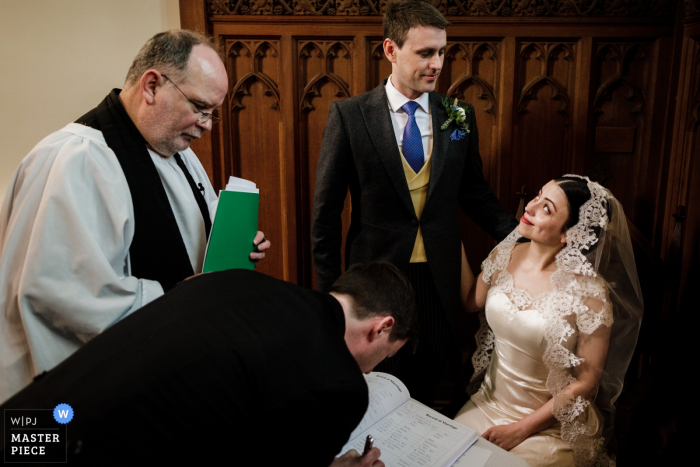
(234, 364)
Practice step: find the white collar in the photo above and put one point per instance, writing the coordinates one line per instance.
(397, 100)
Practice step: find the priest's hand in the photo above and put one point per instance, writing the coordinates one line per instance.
(261, 244)
(353, 458)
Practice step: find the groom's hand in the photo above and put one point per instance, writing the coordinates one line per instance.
(353, 459)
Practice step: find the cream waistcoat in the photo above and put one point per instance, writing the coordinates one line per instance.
(418, 187)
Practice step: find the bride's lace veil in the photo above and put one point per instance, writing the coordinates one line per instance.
(595, 284)
(613, 260)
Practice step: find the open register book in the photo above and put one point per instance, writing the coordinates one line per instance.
(234, 227)
(407, 432)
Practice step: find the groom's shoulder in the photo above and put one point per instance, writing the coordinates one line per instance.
(371, 97)
(354, 101)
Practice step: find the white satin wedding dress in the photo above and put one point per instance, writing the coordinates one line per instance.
(515, 382)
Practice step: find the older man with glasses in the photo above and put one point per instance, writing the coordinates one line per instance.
(110, 212)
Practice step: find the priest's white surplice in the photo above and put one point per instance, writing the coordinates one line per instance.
(65, 230)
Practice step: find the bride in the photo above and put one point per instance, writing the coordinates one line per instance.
(562, 314)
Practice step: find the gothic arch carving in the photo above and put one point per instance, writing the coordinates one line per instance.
(607, 89)
(559, 93)
(486, 91)
(313, 89)
(623, 54)
(242, 88)
(256, 50)
(546, 53)
(327, 52)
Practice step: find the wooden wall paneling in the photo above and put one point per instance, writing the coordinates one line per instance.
(662, 105)
(669, 94)
(193, 16)
(325, 70)
(650, 162)
(360, 78)
(685, 118)
(290, 182)
(581, 118)
(470, 73)
(623, 102)
(684, 181)
(254, 141)
(505, 122)
(379, 68)
(456, 10)
(542, 125)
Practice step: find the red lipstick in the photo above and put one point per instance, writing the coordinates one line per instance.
(525, 221)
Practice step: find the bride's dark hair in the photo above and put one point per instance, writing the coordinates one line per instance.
(577, 193)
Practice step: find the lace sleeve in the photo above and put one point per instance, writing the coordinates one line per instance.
(499, 256)
(597, 309)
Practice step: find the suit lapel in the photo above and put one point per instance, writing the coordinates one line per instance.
(441, 141)
(375, 111)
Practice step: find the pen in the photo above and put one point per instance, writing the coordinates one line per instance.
(368, 444)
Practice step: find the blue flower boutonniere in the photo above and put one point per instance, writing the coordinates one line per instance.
(457, 135)
(458, 114)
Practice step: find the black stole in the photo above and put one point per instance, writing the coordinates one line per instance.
(157, 251)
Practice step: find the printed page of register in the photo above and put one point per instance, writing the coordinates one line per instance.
(411, 434)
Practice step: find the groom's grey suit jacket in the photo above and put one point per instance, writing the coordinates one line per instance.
(360, 151)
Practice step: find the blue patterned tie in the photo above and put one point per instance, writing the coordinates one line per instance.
(412, 142)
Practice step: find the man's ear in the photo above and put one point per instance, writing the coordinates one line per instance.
(390, 50)
(150, 83)
(381, 328)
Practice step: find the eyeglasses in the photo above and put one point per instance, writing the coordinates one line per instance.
(205, 117)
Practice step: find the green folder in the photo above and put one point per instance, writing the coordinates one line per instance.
(233, 232)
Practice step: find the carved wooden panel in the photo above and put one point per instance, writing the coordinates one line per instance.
(542, 125)
(470, 72)
(379, 66)
(692, 188)
(500, 8)
(685, 163)
(695, 90)
(252, 131)
(325, 76)
(692, 149)
(622, 81)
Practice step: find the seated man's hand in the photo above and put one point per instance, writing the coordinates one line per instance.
(353, 459)
(261, 244)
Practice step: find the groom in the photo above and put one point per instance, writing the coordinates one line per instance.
(405, 176)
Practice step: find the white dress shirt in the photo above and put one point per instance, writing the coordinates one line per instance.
(399, 118)
(65, 231)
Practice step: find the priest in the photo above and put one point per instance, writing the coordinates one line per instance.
(110, 212)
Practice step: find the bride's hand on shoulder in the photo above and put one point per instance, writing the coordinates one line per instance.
(506, 436)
